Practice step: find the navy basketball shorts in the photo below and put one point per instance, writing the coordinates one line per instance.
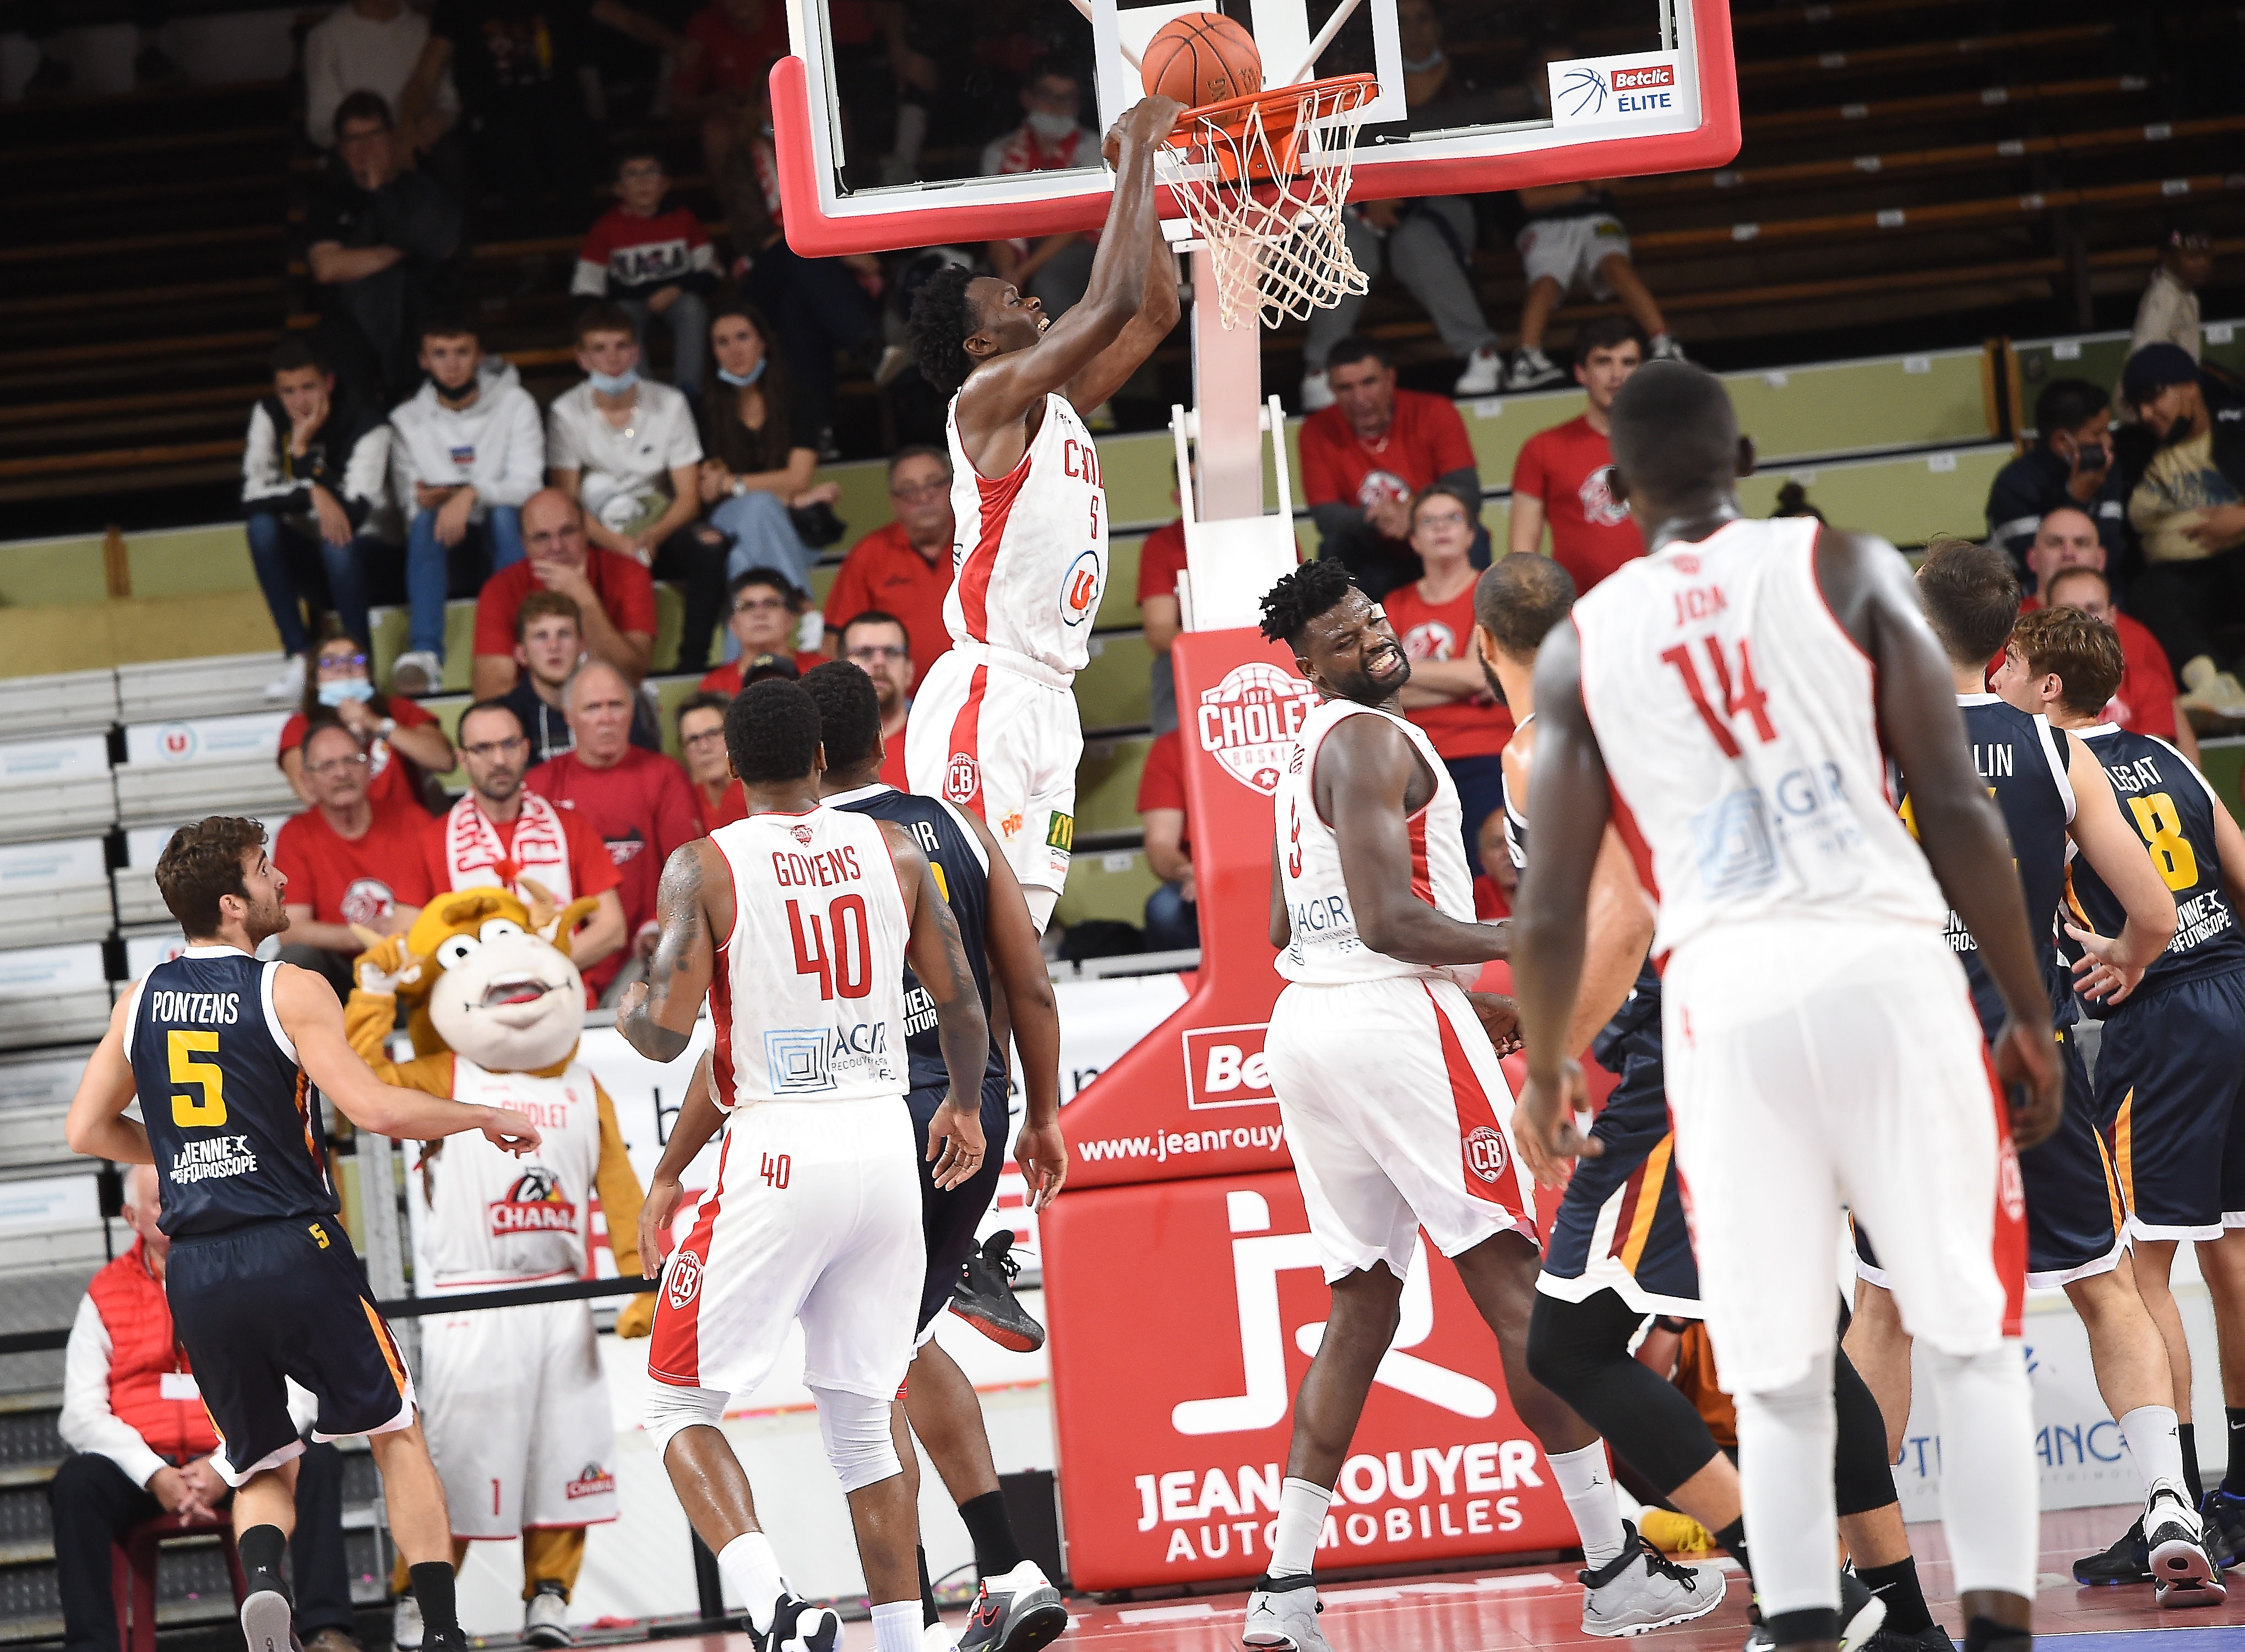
(949, 1219)
(2171, 1083)
(1621, 1225)
(261, 1304)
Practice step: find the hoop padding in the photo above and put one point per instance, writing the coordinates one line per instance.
(1264, 179)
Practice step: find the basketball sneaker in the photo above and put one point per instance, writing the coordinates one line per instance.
(268, 1624)
(1533, 370)
(797, 1626)
(1862, 1616)
(1282, 1616)
(1484, 374)
(1931, 1638)
(289, 684)
(406, 1631)
(415, 672)
(2127, 1561)
(1641, 1589)
(2183, 1572)
(2223, 1516)
(984, 1296)
(1665, 348)
(1018, 1611)
(545, 1618)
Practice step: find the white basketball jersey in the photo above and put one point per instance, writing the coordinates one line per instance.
(1028, 558)
(1325, 949)
(1741, 733)
(809, 994)
(495, 1217)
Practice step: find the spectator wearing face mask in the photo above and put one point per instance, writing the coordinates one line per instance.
(1056, 269)
(403, 744)
(2146, 702)
(2071, 463)
(346, 863)
(757, 470)
(2189, 511)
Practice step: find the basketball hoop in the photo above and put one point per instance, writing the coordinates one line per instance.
(1263, 179)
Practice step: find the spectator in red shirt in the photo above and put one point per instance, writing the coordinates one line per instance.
(1448, 695)
(1161, 561)
(2146, 701)
(1173, 910)
(656, 265)
(767, 612)
(1564, 476)
(717, 796)
(613, 593)
(404, 743)
(1366, 456)
(640, 804)
(502, 833)
(878, 644)
(904, 568)
(346, 862)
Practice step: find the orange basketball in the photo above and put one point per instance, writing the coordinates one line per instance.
(1202, 57)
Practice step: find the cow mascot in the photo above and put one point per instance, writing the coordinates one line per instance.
(513, 1399)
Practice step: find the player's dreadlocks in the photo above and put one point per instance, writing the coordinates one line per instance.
(1309, 591)
(941, 320)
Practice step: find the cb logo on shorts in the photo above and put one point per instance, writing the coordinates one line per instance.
(685, 1279)
(962, 778)
(1485, 1154)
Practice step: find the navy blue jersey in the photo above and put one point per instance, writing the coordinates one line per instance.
(229, 1113)
(2022, 760)
(2169, 803)
(962, 872)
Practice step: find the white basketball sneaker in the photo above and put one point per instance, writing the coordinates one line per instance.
(1017, 1611)
(1641, 1589)
(2183, 1573)
(1286, 1620)
(545, 1618)
(405, 1630)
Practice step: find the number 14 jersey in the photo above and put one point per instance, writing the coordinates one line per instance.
(808, 995)
(1739, 730)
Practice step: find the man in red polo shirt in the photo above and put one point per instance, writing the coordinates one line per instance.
(345, 863)
(878, 644)
(615, 596)
(904, 568)
(1366, 456)
(641, 804)
(1564, 475)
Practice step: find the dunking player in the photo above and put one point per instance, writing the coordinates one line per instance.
(1620, 1248)
(222, 1052)
(994, 726)
(796, 924)
(1727, 703)
(2056, 801)
(2169, 1085)
(1388, 1083)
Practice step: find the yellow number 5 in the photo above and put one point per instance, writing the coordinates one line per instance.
(189, 1114)
(2162, 829)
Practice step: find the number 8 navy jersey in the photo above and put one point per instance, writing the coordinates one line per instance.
(229, 1113)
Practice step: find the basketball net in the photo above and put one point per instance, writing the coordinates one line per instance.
(1263, 179)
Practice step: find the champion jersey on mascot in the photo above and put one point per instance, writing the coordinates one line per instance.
(513, 1399)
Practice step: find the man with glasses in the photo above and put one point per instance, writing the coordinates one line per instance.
(615, 595)
(502, 833)
(717, 794)
(905, 569)
(764, 610)
(878, 644)
(345, 864)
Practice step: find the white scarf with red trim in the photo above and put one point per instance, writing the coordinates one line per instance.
(474, 858)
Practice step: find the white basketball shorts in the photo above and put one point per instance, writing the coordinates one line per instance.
(1397, 1118)
(999, 734)
(1569, 250)
(816, 1218)
(516, 1415)
(1813, 1064)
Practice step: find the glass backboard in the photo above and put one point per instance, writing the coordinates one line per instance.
(1474, 96)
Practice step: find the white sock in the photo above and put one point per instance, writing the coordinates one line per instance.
(1785, 1482)
(1988, 1484)
(2155, 1445)
(896, 1627)
(1301, 1523)
(1588, 1488)
(748, 1564)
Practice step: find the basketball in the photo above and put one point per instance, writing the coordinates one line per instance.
(1202, 57)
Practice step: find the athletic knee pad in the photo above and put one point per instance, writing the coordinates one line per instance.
(855, 1429)
(1861, 1480)
(1580, 1351)
(670, 1408)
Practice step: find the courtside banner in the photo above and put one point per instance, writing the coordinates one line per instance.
(1173, 1443)
(1191, 1098)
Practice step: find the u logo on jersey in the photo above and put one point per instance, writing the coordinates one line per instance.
(1079, 589)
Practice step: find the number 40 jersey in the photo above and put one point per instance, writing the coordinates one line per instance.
(1739, 730)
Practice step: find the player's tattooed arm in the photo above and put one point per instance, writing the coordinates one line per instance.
(97, 1126)
(938, 957)
(656, 1018)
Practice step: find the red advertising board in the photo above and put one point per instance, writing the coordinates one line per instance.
(1183, 1316)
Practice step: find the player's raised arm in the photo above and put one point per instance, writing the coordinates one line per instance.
(314, 1021)
(1157, 312)
(96, 1125)
(1569, 804)
(656, 1017)
(1024, 987)
(2116, 854)
(1868, 589)
(1365, 770)
(938, 957)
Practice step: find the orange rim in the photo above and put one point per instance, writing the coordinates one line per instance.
(1281, 106)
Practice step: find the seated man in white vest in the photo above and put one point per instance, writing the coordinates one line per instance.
(133, 1414)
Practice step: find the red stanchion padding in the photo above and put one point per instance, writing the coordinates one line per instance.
(1191, 1098)
(1183, 1315)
